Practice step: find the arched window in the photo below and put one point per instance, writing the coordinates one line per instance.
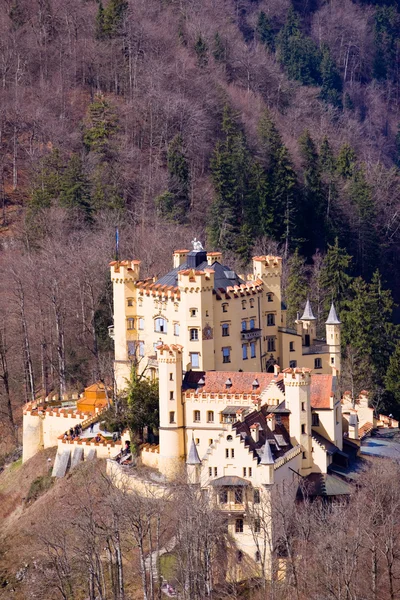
(160, 325)
(251, 302)
(244, 304)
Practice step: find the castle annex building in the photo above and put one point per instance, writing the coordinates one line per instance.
(223, 321)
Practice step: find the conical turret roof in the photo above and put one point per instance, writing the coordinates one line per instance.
(193, 456)
(332, 319)
(308, 313)
(267, 458)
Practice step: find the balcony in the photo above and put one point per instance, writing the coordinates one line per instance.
(315, 349)
(251, 334)
(111, 331)
(152, 362)
(231, 507)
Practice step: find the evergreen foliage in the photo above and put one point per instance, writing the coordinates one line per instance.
(365, 243)
(296, 288)
(334, 277)
(219, 49)
(392, 380)
(74, 189)
(175, 202)
(109, 19)
(265, 31)
(331, 90)
(201, 49)
(101, 126)
(387, 43)
(346, 161)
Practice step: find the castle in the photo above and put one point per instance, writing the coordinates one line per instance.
(223, 321)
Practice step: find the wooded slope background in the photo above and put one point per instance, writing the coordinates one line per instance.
(257, 126)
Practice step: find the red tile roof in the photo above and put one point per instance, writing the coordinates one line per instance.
(321, 391)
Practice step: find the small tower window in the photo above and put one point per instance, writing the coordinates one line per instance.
(131, 323)
(293, 364)
(250, 471)
(225, 330)
(256, 498)
(257, 557)
(226, 452)
(210, 471)
(303, 428)
(315, 419)
(225, 307)
(195, 360)
(317, 363)
(253, 350)
(244, 304)
(270, 297)
(257, 525)
(172, 417)
(239, 556)
(194, 335)
(244, 325)
(171, 376)
(270, 319)
(244, 472)
(193, 312)
(238, 495)
(271, 344)
(130, 301)
(232, 453)
(215, 471)
(252, 323)
(171, 395)
(176, 328)
(244, 351)
(141, 323)
(291, 346)
(251, 302)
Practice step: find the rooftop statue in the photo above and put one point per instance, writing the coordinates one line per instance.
(197, 246)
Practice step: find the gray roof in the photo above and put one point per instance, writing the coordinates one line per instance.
(308, 313)
(223, 275)
(229, 480)
(353, 420)
(267, 458)
(320, 484)
(332, 317)
(193, 456)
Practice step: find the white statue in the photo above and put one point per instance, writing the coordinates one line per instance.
(197, 246)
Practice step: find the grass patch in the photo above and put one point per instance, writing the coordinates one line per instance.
(39, 486)
(16, 465)
(168, 566)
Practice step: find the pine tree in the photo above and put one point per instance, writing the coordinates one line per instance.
(326, 157)
(392, 380)
(74, 193)
(100, 32)
(296, 288)
(265, 31)
(346, 161)
(47, 181)
(201, 50)
(365, 237)
(219, 50)
(331, 91)
(113, 17)
(334, 278)
(175, 203)
(101, 126)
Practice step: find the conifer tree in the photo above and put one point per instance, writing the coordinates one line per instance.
(334, 277)
(296, 288)
(74, 189)
(219, 50)
(47, 181)
(346, 161)
(365, 237)
(201, 50)
(392, 380)
(326, 157)
(113, 17)
(265, 31)
(175, 202)
(101, 126)
(331, 90)
(100, 33)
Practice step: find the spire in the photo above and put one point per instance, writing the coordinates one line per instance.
(267, 458)
(193, 456)
(332, 317)
(308, 313)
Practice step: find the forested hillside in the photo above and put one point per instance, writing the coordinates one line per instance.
(257, 126)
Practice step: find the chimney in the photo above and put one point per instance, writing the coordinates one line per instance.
(353, 426)
(271, 421)
(277, 370)
(213, 257)
(255, 432)
(179, 257)
(240, 414)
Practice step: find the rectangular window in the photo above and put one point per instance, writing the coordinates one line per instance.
(239, 526)
(131, 323)
(256, 498)
(210, 441)
(250, 471)
(210, 471)
(304, 455)
(160, 325)
(253, 350)
(131, 348)
(141, 323)
(171, 376)
(225, 330)
(293, 364)
(252, 324)
(226, 453)
(232, 453)
(226, 355)
(332, 360)
(244, 325)
(303, 428)
(270, 298)
(225, 307)
(238, 495)
(195, 359)
(270, 319)
(171, 395)
(141, 348)
(257, 525)
(130, 301)
(197, 441)
(271, 344)
(223, 497)
(244, 351)
(244, 472)
(215, 471)
(194, 335)
(196, 416)
(337, 415)
(317, 363)
(210, 416)
(193, 312)
(176, 328)
(291, 346)
(303, 406)
(172, 417)
(315, 419)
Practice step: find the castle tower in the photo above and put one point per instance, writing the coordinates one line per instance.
(171, 409)
(309, 325)
(193, 464)
(298, 401)
(124, 275)
(333, 326)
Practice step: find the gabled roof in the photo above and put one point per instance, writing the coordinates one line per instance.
(332, 317)
(308, 313)
(229, 480)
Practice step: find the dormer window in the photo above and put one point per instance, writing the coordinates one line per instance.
(255, 384)
(228, 383)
